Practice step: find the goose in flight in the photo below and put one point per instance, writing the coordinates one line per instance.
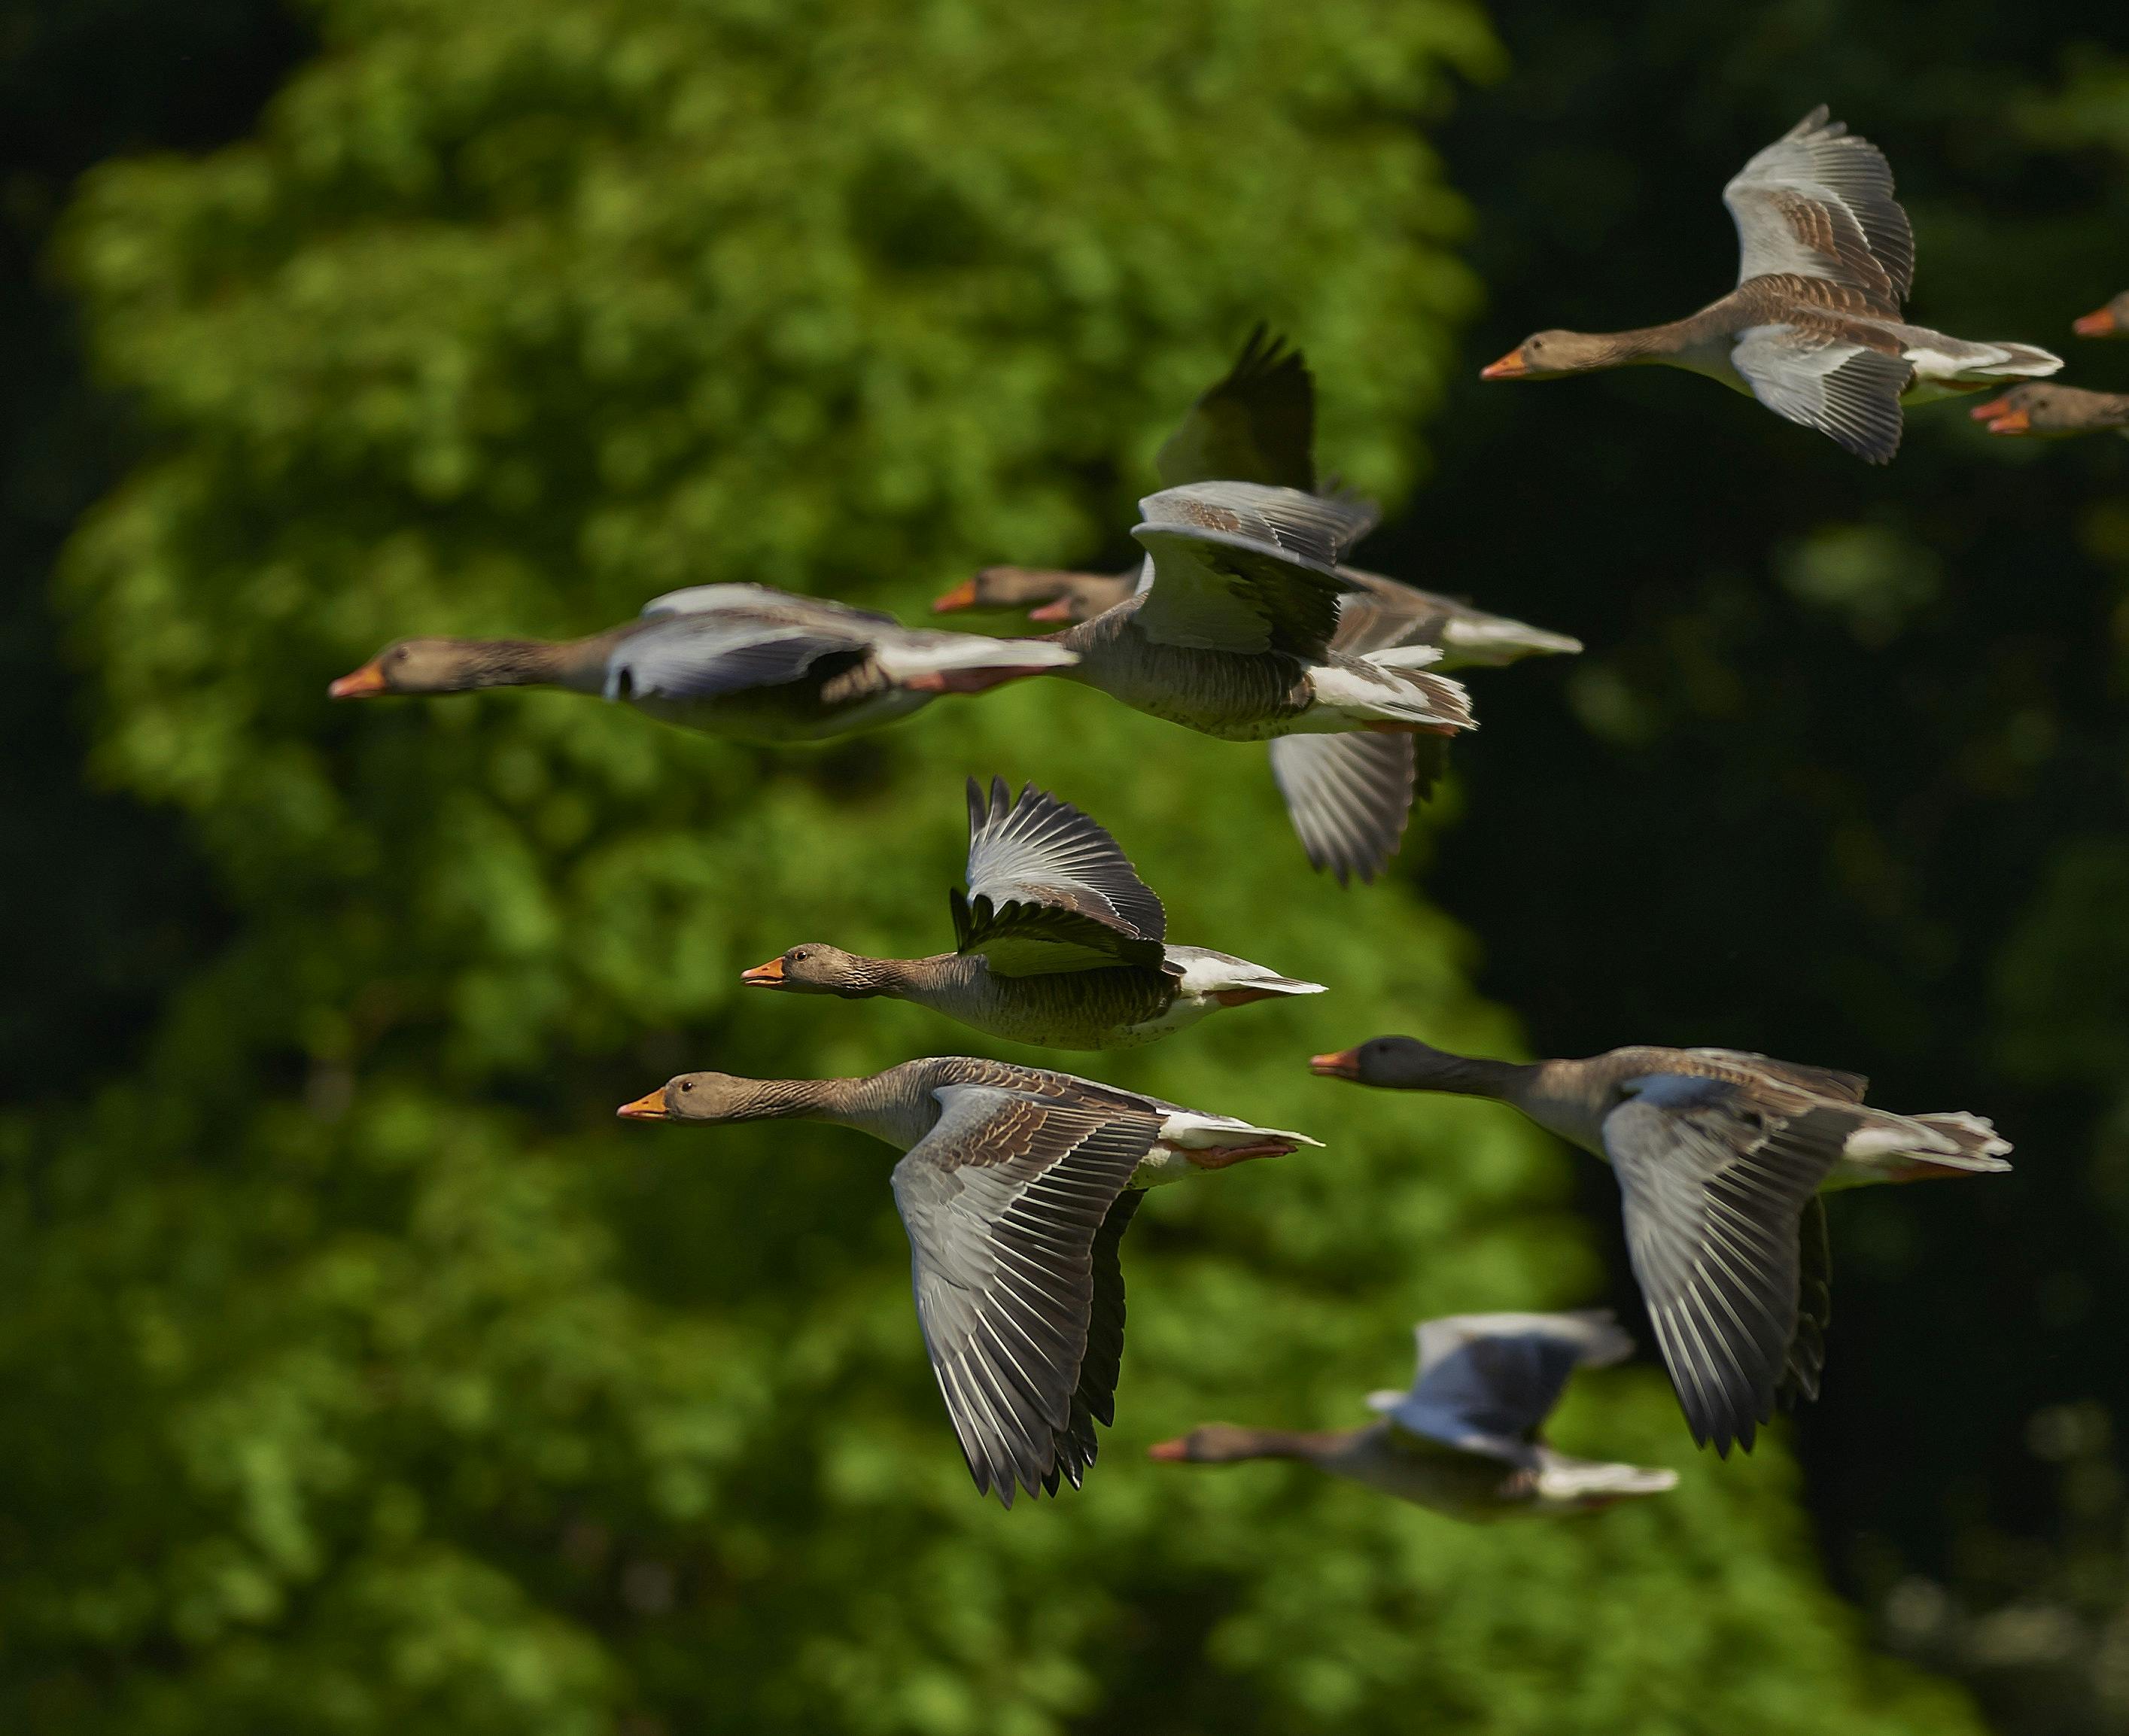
(1721, 1157)
(2048, 408)
(736, 660)
(1467, 1439)
(1015, 1187)
(1058, 942)
(1813, 329)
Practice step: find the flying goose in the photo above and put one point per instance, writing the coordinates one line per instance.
(1465, 1440)
(1058, 942)
(1720, 1157)
(1348, 796)
(2110, 321)
(1813, 329)
(2053, 409)
(1016, 1190)
(739, 660)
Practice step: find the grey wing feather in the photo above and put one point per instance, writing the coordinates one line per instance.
(768, 604)
(690, 656)
(1818, 202)
(1094, 1401)
(1826, 1081)
(1257, 423)
(1846, 391)
(1713, 1191)
(1004, 1200)
(1486, 1382)
(1806, 1354)
(1348, 796)
(1050, 890)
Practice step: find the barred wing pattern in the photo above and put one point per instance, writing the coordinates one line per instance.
(1005, 1200)
(1818, 204)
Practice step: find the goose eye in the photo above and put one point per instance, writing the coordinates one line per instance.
(687, 1084)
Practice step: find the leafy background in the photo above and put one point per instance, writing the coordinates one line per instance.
(361, 1374)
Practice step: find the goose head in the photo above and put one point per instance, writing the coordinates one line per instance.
(2047, 408)
(1551, 355)
(413, 666)
(700, 1096)
(818, 969)
(1213, 1444)
(2110, 321)
(1397, 1064)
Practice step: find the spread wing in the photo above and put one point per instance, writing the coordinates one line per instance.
(768, 604)
(1242, 568)
(1005, 1201)
(1256, 425)
(1487, 1381)
(1714, 1190)
(1048, 890)
(1350, 796)
(1818, 204)
(700, 656)
(1845, 390)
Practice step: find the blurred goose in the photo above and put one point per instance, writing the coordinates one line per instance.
(1814, 328)
(740, 660)
(1047, 593)
(1058, 942)
(2053, 409)
(1464, 1440)
(1720, 1157)
(2110, 321)
(1016, 1189)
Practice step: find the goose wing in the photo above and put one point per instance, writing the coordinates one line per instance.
(1050, 890)
(1818, 204)
(1487, 1381)
(1257, 423)
(700, 656)
(1350, 796)
(1006, 1201)
(1714, 1186)
(1247, 568)
(1845, 390)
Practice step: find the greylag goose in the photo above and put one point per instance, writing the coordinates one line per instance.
(1348, 796)
(1813, 329)
(1058, 942)
(1016, 1190)
(2053, 409)
(2110, 321)
(740, 660)
(1720, 1157)
(1464, 1440)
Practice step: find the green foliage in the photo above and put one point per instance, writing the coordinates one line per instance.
(403, 1390)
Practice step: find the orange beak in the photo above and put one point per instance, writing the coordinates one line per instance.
(650, 1106)
(1510, 367)
(1060, 610)
(763, 976)
(1344, 1064)
(1171, 1453)
(2001, 418)
(962, 596)
(365, 683)
(2102, 324)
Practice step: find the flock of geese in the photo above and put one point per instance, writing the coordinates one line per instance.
(1244, 621)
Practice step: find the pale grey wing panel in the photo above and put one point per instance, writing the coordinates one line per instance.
(1038, 849)
(1384, 614)
(768, 604)
(1713, 1193)
(1315, 530)
(1257, 423)
(1349, 796)
(701, 656)
(1004, 1200)
(1819, 202)
(1487, 1381)
(1844, 390)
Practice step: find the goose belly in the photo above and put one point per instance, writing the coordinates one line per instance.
(1084, 1009)
(1233, 696)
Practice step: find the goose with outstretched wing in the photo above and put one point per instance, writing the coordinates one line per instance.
(1058, 942)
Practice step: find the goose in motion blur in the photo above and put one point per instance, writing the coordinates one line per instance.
(2053, 409)
(1813, 329)
(2110, 321)
(1016, 1189)
(738, 660)
(1058, 942)
(1465, 1440)
(1720, 1157)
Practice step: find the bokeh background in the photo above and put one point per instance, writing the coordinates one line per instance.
(359, 1374)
